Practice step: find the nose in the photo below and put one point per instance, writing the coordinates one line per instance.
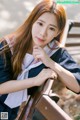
(43, 32)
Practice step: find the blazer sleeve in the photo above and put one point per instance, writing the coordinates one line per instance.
(67, 62)
(5, 64)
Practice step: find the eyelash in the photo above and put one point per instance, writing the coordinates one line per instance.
(52, 29)
(41, 24)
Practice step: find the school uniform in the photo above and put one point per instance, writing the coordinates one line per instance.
(61, 57)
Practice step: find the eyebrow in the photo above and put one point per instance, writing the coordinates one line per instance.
(50, 24)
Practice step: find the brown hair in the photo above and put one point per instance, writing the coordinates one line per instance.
(23, 34)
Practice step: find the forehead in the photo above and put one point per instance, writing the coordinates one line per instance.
(49, 18)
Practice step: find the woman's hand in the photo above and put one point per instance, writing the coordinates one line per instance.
(44, 75)
(40, 54)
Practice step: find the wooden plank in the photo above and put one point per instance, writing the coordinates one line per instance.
(76, 24)
(70, 35)
(73, 48)
(72, 44)
(50, 110)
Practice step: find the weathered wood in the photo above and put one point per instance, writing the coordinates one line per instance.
(73, 35)
(50, 109)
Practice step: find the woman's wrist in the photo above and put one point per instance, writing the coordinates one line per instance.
(54, 66)
(34, 81)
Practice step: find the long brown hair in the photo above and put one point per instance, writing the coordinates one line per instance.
(23, 34)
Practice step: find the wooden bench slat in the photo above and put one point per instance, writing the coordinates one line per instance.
(72, 44)
(73, 35)
(76, 24)
(51, 110)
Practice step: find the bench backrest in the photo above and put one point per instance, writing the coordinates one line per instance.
(73, 40)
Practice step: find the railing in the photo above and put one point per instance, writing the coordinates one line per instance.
(73, 40)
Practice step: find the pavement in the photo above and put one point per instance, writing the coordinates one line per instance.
(14, 12)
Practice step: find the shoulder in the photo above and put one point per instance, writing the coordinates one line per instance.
(66, 59)
(63, 52)
(10, 40)
(62, 55)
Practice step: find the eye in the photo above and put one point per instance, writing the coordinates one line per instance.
(52, 29)
(41, 24)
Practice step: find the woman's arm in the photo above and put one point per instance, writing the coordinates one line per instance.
(17, 85)
(64, 75)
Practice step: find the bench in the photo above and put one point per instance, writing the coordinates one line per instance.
(72, 39)
(45, 101)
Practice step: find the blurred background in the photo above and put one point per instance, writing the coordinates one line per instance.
(12, 14)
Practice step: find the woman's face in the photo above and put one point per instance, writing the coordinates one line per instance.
(44, 29)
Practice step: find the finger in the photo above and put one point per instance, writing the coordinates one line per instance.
(37, 47)
(38, 56)
(35, 54)
(36, 50)
(54, 75)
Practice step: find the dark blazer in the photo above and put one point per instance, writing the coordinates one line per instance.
(62, 57)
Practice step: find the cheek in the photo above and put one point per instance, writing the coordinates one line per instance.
(50, 37)
(34, 30)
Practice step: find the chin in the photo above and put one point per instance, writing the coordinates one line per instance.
(38, 44)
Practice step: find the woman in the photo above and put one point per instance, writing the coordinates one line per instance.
(34, 46)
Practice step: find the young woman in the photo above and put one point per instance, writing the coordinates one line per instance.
(33, 47)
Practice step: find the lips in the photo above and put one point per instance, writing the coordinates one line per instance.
(39, 39)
